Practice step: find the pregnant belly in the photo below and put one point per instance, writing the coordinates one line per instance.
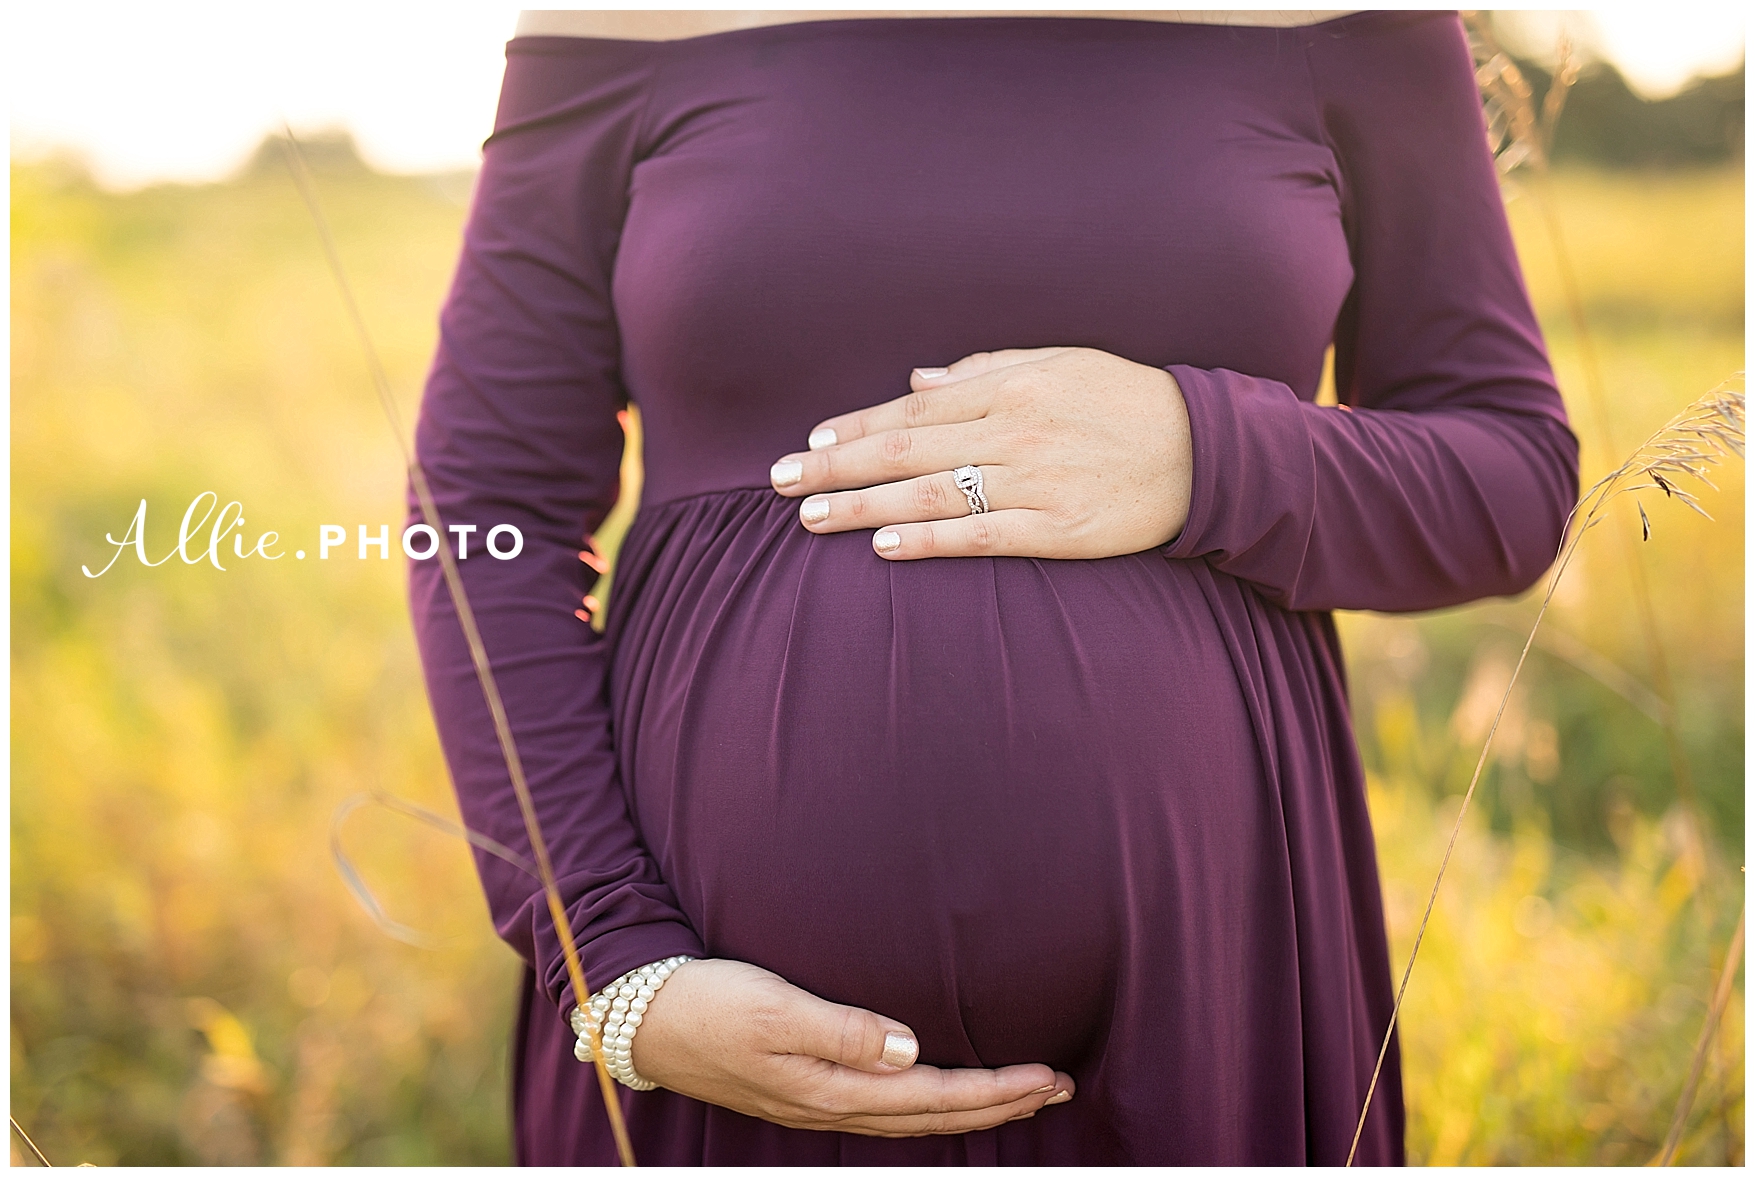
(964, 793)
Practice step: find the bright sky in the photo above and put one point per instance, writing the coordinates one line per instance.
(182, 90)
(174, 89)
(1657, 49)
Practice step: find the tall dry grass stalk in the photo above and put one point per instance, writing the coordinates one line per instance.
(30, 1144)
(356, 883)
(1721, 997)
(1520, 137)
(301, 174)
(1686, 448)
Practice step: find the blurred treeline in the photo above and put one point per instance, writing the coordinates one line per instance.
(1607, 125)
(191, 983)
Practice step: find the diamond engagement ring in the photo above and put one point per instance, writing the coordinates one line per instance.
(969, 482)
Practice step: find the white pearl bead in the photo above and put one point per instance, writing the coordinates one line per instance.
(616, 1012)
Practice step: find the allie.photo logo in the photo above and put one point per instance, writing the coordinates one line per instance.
(420, 541)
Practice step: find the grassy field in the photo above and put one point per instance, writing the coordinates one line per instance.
(192, 983)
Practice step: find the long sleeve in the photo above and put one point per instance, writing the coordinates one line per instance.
(1452, 475)
(518, 426)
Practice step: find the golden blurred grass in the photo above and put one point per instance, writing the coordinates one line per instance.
(190, 981)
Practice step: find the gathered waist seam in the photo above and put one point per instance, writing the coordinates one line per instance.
(706, 494)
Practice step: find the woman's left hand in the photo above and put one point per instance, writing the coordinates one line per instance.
(1082, 454)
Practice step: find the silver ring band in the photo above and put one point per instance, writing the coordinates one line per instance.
(969, 482)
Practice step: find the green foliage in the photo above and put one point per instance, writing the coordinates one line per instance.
(191, 982)
(1552, 1014)
(1607, 125)
(1553, 1011)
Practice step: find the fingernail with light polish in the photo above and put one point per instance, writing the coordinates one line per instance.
(823, 438)
(815, 510)
(931, 373)
(1061, 1098)
(1040, 1090)
(786, 473)
(900, 1050)
(887, 541)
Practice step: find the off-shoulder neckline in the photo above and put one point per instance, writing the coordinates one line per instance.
(851, 23)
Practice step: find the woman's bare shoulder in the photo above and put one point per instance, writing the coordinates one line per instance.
(654, 25)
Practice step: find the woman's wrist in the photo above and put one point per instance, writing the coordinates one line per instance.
(615, 1014)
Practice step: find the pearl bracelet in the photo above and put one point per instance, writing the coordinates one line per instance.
(616, 1012)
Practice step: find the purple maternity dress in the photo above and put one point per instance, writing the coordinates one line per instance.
(1102, 814)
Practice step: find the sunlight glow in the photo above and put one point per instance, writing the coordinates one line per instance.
(184, 90)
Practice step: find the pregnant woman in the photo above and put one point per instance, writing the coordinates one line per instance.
(969, 706)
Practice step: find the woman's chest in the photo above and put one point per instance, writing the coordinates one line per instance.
(812, 219)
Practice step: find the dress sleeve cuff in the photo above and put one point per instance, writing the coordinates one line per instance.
(1252, 502)
(1200, 499)
(615, 952)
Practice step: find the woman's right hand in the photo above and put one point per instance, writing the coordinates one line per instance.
(735, 1035)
